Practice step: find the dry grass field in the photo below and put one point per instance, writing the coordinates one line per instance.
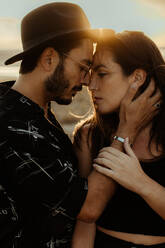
(70, 115)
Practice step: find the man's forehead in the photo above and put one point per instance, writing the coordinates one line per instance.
(83, 53)
(84, 58)
(86, 47)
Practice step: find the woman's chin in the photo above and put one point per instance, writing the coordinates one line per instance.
(106, 111)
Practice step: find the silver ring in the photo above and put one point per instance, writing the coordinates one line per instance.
(157, 105)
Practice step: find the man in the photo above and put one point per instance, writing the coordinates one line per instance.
(38, 167)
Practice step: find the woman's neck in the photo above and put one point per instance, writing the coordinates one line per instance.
(141, 145)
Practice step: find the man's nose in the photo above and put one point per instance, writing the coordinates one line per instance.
(93, 84)
(85, 80)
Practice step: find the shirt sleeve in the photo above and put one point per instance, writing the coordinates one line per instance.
(40, 174)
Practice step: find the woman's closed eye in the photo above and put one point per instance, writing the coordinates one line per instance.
(102, 74)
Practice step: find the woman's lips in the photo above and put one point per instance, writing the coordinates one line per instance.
(97, 99)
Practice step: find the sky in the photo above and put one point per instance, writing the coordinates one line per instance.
(145, 15)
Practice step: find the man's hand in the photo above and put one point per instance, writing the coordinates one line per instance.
(136, 114)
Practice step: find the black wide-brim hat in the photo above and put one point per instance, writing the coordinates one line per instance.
(53, 21)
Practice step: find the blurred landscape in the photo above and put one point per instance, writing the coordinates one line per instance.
(67, 115)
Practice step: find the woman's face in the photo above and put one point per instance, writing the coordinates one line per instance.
(108, 83)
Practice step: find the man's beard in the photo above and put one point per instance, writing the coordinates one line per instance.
(57, 83)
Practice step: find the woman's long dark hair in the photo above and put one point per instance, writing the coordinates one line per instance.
(131, 50)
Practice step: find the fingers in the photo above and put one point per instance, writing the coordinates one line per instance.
(150, 89)
(104, 162)
(131, 92)
(109, 155)
(112, 162)
(150, 99)
(105, 171)
(109, 151)
(148, 96)
(154, 103)
(156, 98)
(149, 93)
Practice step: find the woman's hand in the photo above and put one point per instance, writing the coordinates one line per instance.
(136, 114)
(125, 169)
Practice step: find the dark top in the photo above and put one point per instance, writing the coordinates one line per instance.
(128, 212)
(38, 168)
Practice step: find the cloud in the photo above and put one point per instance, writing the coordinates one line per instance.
(157, 5)
(159, 40)
(155, 2)
(10, 34)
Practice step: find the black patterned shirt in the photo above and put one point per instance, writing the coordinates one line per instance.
(38, 169)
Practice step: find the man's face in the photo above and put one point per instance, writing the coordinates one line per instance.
(71, 73)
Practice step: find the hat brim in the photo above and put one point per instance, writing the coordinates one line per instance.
(90, 33)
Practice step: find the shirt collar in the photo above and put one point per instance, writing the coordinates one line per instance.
(16, 98)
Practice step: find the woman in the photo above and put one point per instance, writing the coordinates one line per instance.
(135, 215)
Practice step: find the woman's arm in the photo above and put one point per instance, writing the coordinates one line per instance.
(126, 170)
(84, 235)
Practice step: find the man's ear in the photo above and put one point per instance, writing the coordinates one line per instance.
(139, 76)
(49, 59)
